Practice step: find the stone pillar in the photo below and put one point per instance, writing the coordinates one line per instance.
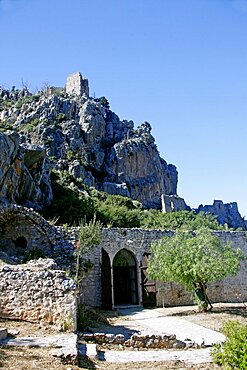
(112, 286)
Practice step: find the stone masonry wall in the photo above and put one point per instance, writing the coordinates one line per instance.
(77, 85)
(41, 237)
(138, 241)
(37, 292)
(41, 291)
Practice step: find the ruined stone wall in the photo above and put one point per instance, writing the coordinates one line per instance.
(42, 239)
(173, 203)
(37, 292)
(34, 291)
(77, 85)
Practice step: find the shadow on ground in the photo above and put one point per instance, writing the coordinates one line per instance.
(86, 363)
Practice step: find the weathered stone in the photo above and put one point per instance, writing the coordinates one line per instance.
(74, 126)
(226, 213)
(77, 85)
(109, 338)
(116, 189)
(3, 333)
(26, 303)
(99, 337)
(23, 171)
(119, 339)
(173, 203)
(179, 344)
(88, 336)
(13, 332)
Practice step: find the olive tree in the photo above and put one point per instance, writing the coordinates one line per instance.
(193, 259)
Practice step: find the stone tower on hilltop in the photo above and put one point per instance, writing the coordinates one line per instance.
(76, 84)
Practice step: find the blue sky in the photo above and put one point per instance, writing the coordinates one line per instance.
(179, 64)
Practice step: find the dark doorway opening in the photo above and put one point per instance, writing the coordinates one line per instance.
(20, 242)
(125, 278)
(106, 281)
(148, 286)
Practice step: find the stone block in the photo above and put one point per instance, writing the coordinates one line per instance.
(3, 333)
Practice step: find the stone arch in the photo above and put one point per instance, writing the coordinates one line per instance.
(125, 278)
(24, 234)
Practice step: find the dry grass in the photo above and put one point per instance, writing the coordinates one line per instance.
(23, 358)
(40, 359)
(216, 318)
(27, 328)
(171, 365)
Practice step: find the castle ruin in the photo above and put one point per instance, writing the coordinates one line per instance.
(76, 84)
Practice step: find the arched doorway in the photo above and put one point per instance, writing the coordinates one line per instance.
(106, 291)
(148, 286)
(125, 278)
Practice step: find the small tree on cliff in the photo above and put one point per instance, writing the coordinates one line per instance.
(193, 260)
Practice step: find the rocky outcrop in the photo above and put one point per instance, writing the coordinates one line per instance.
(135, 161)
(24, 173)
(226, 213)
(83, 136)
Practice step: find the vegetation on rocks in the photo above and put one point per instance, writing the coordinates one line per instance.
(89, 146)
(73, 202)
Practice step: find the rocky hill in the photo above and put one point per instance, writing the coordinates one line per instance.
(64, 129)
(83, 136)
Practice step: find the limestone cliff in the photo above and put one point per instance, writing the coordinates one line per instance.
(65, 129)
(24, 173)
(83, 136)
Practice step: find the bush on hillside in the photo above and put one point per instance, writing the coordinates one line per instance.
(181, 220)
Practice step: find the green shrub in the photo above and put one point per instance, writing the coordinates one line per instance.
(184, 220)
(60, 118)
(103, 101)
(69, 205)
(232, 354)
(30, 126)
(118, 216)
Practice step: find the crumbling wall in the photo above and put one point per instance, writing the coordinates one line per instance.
(77, 85)
(25, 235)
(173, 203)
(38, 292)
